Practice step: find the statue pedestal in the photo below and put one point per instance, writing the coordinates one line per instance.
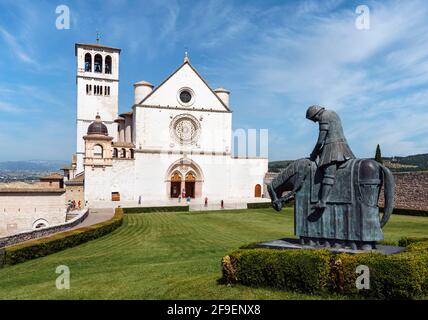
(293, 244)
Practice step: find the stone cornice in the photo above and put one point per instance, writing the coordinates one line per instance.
(179, 108)
(97, 78)
(188, 152)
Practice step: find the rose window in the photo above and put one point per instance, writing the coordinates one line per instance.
(185, 129)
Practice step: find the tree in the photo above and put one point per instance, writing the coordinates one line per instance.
(378, 156)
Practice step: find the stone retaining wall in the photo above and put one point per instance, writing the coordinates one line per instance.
(411, 190)
(29, 235)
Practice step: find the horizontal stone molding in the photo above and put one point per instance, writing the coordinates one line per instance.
(180, 108)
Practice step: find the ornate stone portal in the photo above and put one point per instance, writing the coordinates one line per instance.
(347, 215)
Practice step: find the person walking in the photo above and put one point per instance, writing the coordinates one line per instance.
(222, 204)
(206, 202)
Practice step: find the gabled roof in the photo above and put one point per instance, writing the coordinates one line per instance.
(197, 73)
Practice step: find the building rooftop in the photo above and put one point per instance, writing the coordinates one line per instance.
(97, 127)
(76, 181)
(52, 176)
(95, 45)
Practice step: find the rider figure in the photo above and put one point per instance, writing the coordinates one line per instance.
(331, 148)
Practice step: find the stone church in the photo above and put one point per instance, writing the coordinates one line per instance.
(176, 140)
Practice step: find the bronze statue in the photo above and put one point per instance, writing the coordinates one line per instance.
(331, 147)
(336, 199)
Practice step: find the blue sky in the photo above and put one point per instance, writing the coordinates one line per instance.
(276, 57)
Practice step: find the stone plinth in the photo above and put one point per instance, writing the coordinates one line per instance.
(293, 244)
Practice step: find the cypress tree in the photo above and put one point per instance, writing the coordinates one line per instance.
(378, 156)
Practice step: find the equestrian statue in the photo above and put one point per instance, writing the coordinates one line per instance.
(336, 197)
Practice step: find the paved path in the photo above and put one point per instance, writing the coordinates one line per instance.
(96, 216)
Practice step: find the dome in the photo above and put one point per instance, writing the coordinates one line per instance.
(97, 127)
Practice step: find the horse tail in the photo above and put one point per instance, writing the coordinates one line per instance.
(389, 186)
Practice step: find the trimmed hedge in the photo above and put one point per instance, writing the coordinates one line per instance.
(399, 276)
(298, 270)
(259, 205)
(41, 247)
(409, 212)
(266, 205)
(156, 209)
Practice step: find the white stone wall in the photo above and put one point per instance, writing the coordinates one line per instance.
(19, 211)
(147, 175)
(152, 129)
(101, 182)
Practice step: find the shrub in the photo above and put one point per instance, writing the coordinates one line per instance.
(41, 247)
(299, 270)
(406, 241)
(156, 209)
(399, 276)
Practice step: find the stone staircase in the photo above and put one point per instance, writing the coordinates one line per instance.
(70, 215)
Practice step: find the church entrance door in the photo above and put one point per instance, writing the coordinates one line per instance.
(175, 189)
(190, 189)
(175, 185)
(190, 185)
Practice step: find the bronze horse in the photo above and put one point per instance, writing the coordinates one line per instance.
(352, 217)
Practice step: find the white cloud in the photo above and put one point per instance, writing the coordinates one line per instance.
(16, 48)
(372, 77)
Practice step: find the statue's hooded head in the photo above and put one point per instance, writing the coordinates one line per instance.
(313, 111)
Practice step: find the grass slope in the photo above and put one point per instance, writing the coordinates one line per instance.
(166, 256)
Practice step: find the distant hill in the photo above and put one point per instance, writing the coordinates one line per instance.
(32, 165)
(418, 162)
(30, 171)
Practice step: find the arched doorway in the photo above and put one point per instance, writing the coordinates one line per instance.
(190, 184)
(175, 185)
(258, 191)
(191, 178)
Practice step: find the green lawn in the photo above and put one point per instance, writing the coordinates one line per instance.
(166, 256)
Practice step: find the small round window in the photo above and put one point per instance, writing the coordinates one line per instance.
(185, 96)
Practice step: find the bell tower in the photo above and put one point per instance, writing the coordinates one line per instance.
(97, 83)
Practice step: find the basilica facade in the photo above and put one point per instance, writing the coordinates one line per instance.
(175, 141)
